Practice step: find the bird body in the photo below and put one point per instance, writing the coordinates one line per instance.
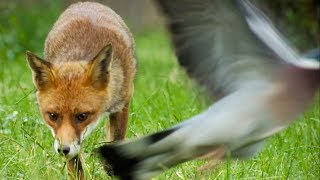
(262, 85)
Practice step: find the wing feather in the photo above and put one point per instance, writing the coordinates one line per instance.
(226, 45)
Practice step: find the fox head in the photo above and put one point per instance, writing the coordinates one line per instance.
(71, 96)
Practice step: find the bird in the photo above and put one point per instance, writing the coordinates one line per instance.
(259, 82)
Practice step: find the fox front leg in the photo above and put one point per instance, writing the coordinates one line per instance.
(118, 123)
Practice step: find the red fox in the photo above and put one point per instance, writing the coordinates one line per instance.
(88, 68)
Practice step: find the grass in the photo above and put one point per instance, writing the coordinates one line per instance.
(163, 97)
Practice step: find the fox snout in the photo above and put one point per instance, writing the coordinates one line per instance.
(66, 142)
(68, 138)
(64, 150)
(69, 150)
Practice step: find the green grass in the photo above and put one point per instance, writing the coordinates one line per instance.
(163, 97)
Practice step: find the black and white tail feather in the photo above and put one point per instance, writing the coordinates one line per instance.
(233, 50)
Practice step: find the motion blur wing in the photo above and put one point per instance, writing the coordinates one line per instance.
(233, 50)
(225, 44)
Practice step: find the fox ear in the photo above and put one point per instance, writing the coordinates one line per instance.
(41, 71)
(100, 68)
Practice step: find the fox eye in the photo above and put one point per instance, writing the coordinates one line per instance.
(82, 117)
(53, 116)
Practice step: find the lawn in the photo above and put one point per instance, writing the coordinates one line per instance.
(164, 96)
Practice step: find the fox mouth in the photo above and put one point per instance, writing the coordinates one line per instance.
(69, 150)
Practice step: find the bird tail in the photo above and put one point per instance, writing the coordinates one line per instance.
(124, 159)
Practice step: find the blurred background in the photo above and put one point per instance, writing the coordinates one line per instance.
(21, 28)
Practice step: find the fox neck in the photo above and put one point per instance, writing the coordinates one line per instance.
(116, 89)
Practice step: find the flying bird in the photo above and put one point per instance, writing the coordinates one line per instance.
(261, 85)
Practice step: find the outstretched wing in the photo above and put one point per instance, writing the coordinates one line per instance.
(232, 49)
(225, 44)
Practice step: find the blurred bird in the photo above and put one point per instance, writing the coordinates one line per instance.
(262, 84)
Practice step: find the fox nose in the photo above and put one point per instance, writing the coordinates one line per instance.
(64, 149)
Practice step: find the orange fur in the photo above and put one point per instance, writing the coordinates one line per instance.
(89, 69)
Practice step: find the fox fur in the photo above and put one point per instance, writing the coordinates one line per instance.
(88, 68)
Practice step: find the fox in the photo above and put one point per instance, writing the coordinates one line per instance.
(88, 69)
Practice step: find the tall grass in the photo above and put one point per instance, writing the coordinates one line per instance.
(163, 97)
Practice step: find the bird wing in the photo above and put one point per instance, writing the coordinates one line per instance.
(223, 45)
